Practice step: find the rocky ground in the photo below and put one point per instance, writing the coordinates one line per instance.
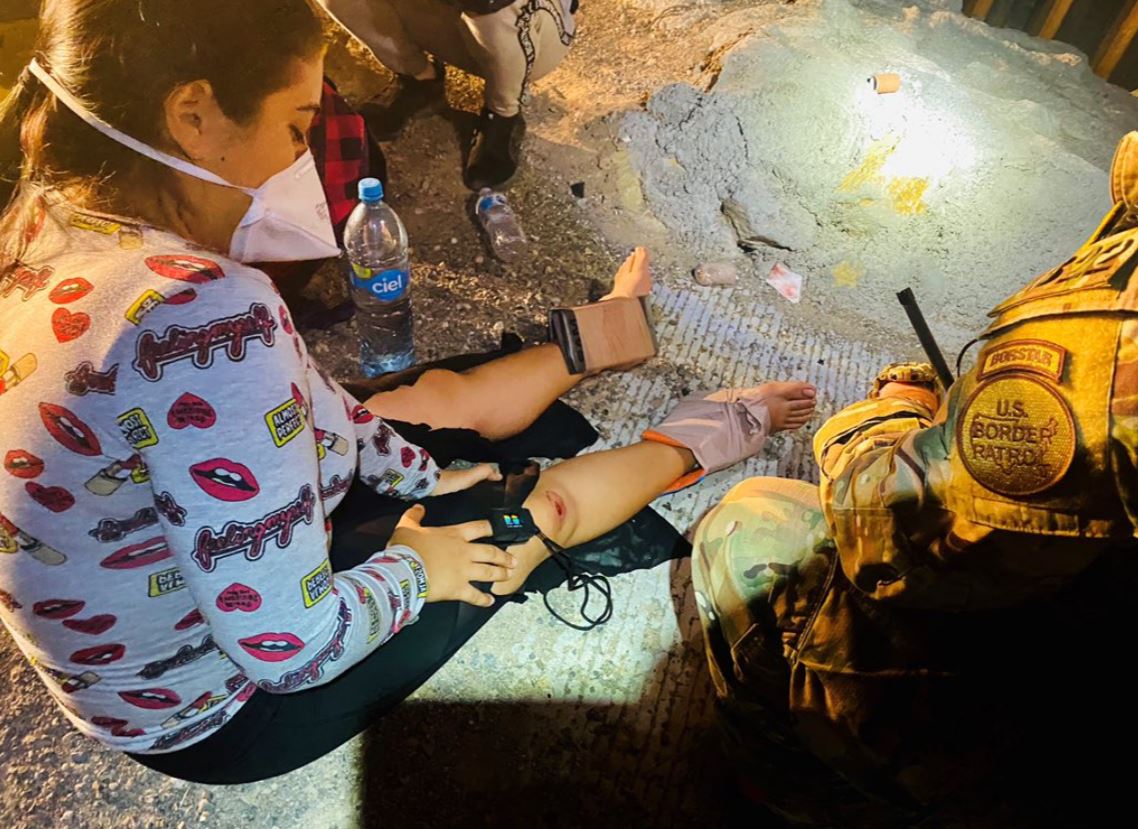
(728, 131)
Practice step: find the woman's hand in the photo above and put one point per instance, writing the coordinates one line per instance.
(458, 479)
(451, 561)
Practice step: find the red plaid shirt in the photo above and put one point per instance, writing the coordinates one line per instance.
(338, 139)
(344, 153)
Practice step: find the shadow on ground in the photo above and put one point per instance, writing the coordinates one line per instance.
(554, 763)
(529, 763)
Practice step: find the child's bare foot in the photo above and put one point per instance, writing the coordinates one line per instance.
(633, 278)
(791, 405)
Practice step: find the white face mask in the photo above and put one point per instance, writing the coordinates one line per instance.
(288, 219)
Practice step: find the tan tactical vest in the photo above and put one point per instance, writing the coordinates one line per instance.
(1032, 422)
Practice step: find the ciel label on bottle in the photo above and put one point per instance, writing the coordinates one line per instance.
(388, 285)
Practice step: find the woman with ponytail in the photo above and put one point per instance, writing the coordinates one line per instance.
(185, 549)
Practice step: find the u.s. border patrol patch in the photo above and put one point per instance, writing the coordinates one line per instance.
(1016, 435)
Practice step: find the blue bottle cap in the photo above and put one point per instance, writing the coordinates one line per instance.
(370, 190)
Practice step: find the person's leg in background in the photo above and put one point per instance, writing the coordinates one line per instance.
(378, 25)
(760, 560)
(510, 48)
(513, 48)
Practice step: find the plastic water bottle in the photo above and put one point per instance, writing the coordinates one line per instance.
(507, 239)
(380, 273)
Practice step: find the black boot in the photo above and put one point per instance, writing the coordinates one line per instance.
(385, 122)
(495, 150)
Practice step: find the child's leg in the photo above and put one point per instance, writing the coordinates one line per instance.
(579, 499)
(500, 398)
(497, 399)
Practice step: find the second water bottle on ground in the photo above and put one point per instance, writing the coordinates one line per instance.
(507, 239)
(379, 269)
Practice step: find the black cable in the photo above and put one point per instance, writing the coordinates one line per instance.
(577, 579)
(520, 480)
(960, 356)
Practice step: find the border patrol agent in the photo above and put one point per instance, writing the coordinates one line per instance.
(939, 634)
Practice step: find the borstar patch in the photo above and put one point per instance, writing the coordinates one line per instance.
(1016, 435)
(1033, 356)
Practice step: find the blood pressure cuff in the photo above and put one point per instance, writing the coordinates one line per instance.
(601, 335)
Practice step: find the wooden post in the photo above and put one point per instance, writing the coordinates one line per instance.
(1049, 17)
(1117, 40)
(978, 8)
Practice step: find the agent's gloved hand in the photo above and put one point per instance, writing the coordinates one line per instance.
(916, 382)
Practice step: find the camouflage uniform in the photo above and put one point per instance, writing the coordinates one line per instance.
(939, 633)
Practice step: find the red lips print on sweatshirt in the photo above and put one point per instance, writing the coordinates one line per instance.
(225, 480)
(272, 647)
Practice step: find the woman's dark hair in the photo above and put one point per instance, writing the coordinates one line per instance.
(122, 58)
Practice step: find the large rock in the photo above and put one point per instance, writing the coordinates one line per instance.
(992, 158)
(694, 153)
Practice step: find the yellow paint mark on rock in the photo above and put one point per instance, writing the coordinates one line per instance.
(847, 274)
(869, 172)
(908, 195)
(618, 168)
